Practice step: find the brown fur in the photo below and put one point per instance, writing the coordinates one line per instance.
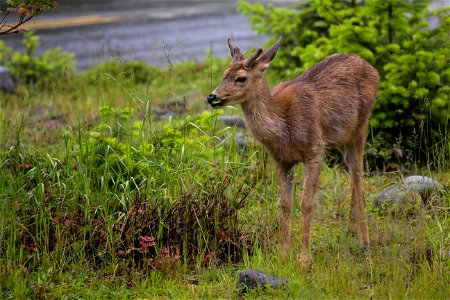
(328, 106)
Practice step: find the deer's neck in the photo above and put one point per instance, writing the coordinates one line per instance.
(263, 119)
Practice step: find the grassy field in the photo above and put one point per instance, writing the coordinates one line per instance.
(115, 185)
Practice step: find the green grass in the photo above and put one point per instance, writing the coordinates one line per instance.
(78, 160)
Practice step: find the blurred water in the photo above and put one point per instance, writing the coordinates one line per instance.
(149, 30)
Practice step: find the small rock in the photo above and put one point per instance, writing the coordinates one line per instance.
(169, 109)
(6, 81)
(240, 140)
(177, 107)
(232, 121)
(408, 191)
(251, 279)
(162, 115)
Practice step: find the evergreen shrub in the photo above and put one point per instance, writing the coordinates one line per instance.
(411, 117)
(28, 68)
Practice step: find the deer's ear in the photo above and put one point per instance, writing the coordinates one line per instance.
(268, 55)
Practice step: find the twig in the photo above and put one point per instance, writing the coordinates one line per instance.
(4, 19)
(14, 28)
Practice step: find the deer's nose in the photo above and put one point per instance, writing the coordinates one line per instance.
(211, 98)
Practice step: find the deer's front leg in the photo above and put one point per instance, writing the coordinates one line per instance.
(284, 174)
(310, 184)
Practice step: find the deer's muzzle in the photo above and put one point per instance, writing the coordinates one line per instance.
(213, 101)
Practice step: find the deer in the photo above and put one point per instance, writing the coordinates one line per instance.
(327, 106)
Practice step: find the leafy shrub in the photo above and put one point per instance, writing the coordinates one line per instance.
(123, 152)
(133, 71)
(146, 193)
(29, 68)
(413, 107)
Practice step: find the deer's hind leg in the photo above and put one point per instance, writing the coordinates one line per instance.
(310, 186)
(353, 154)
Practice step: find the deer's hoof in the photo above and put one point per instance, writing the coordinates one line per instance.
(304, 261)
(351, 229)
(365, 254)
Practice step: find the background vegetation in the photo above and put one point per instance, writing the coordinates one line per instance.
(28, 68)
(116, 183)
(413, 109)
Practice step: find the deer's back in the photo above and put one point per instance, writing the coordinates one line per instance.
(332, 99)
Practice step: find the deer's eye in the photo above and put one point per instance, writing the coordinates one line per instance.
(241, 79)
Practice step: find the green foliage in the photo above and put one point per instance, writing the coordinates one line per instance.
(129, 192)
(129, 72)
(63, 236)
(394, 36)
(28, 68)
(31, 7)
(113, 209)
(125, 151)
(129, 207)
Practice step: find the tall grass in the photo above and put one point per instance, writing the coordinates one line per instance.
(112, 203)
(106, 198)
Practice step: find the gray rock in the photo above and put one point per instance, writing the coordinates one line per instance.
(169, 109)
(6, 82)
(240, 140)
(177, 107)
(232, 121)
(162, 115)
(413, 188)
(251, 279)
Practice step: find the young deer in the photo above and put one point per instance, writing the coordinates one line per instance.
(328, 106)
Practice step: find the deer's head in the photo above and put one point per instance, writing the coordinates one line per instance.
(242, 76)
